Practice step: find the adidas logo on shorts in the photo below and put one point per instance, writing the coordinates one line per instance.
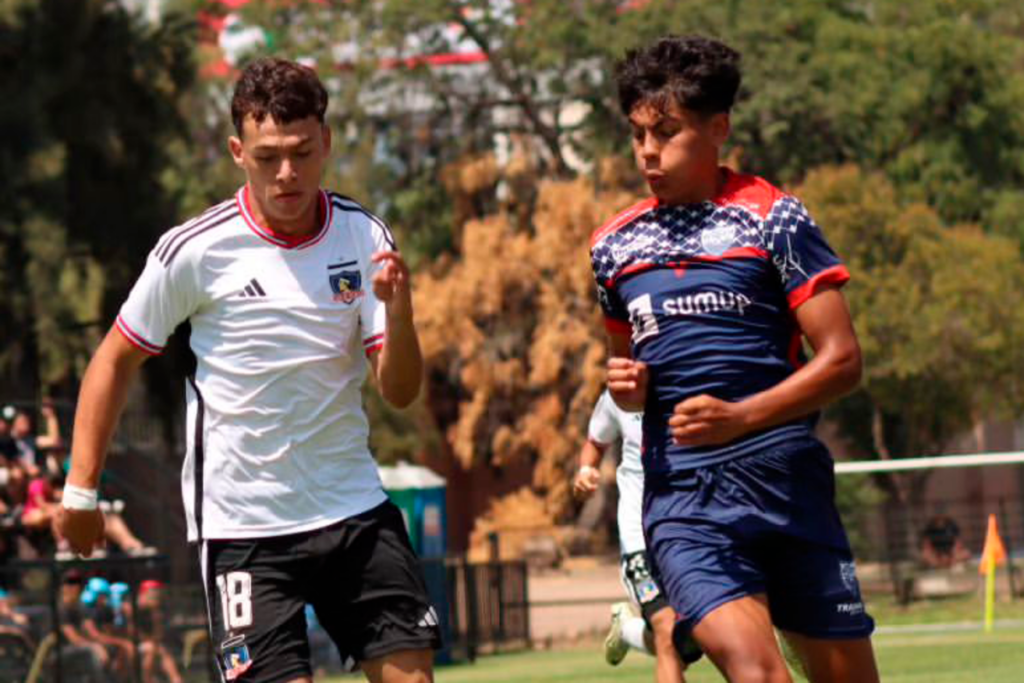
(429, 619)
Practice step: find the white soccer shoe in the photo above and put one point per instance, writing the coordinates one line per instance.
(615, 646)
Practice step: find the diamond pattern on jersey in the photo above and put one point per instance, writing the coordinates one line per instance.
(787, 218)
(669, 234)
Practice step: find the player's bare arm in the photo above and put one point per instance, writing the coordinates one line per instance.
(627, 378)
(100, 402)
(398, 366)
(834, 371)
(588, 476)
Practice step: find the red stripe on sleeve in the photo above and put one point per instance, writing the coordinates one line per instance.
(836, 275)
(137, 340)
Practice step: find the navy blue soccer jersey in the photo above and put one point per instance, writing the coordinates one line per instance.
(707, 292)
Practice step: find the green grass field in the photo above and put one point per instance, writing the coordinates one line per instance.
(961, 657)
(957, 657)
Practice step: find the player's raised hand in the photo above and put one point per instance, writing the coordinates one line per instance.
(586, 481)
(82, 529)
(706, 421)
(391, 281)
(627, 382)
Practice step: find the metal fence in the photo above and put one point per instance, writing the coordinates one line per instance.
(483, 608)
(47, 596)
(488, 607)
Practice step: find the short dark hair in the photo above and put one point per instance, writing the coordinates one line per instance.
(698, 73)
(285, 90)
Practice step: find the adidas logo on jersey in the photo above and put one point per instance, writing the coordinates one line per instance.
(252, 290)
(429, 619)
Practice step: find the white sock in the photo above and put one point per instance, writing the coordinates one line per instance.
(633, 633)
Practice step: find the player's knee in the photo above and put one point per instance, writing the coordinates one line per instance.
(757, 672)
(419, 676)
(663, 641)
(750, 665)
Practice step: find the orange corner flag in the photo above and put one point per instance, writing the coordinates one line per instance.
(994, 552)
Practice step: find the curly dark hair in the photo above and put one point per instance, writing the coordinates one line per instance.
(285, 90)
(698, 73)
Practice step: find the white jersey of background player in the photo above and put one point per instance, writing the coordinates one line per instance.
(653, 632)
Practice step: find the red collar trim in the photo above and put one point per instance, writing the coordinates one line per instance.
(324, 211)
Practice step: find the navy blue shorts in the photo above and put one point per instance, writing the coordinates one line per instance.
(764, 523)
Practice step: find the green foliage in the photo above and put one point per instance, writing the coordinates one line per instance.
(857, 499)
(88, 103)
(938, 312)
(930, 92)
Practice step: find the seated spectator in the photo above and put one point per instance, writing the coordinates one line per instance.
(98, 624)
(8, 449)
(39, 514)
(81, 652)
(31, 446)
(10, 519)
(151, 620)
(941, 546)
(13, 623)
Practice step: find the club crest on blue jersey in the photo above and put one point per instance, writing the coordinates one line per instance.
(235, 657)
(848, 574)
(717, 240)
(346, 285)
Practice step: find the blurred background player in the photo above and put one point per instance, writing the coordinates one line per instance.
(652, 632)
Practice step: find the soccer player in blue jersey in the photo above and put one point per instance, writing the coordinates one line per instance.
(709, 288)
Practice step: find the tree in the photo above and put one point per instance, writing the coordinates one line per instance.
(926, 95)
(939, 311)
(89, 106)
(513, 341)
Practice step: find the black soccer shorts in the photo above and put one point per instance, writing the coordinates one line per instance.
(360, 575)
(643, 590)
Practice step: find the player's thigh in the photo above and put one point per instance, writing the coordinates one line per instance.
(834, 660)
(739, 639)
(254, 591)
(402, 666)
(387, 609)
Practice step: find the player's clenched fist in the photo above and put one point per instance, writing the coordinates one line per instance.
(586, 481)
(627, 382)
(83, 529)
(705, 420)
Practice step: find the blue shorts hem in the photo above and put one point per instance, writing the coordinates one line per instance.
(850, 634)
(689, 622)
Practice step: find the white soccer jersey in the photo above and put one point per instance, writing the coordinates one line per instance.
(277, 436)
(609, 424)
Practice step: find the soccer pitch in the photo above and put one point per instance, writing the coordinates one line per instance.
(956, 657)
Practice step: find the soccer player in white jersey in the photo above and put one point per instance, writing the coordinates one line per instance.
(289, 289)
(652, 632)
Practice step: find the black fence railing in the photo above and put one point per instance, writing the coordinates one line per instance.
(57, 626)
(482, 608)
(933, 551)
(488, 607)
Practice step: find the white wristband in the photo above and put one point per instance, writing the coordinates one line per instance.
(77, 498)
